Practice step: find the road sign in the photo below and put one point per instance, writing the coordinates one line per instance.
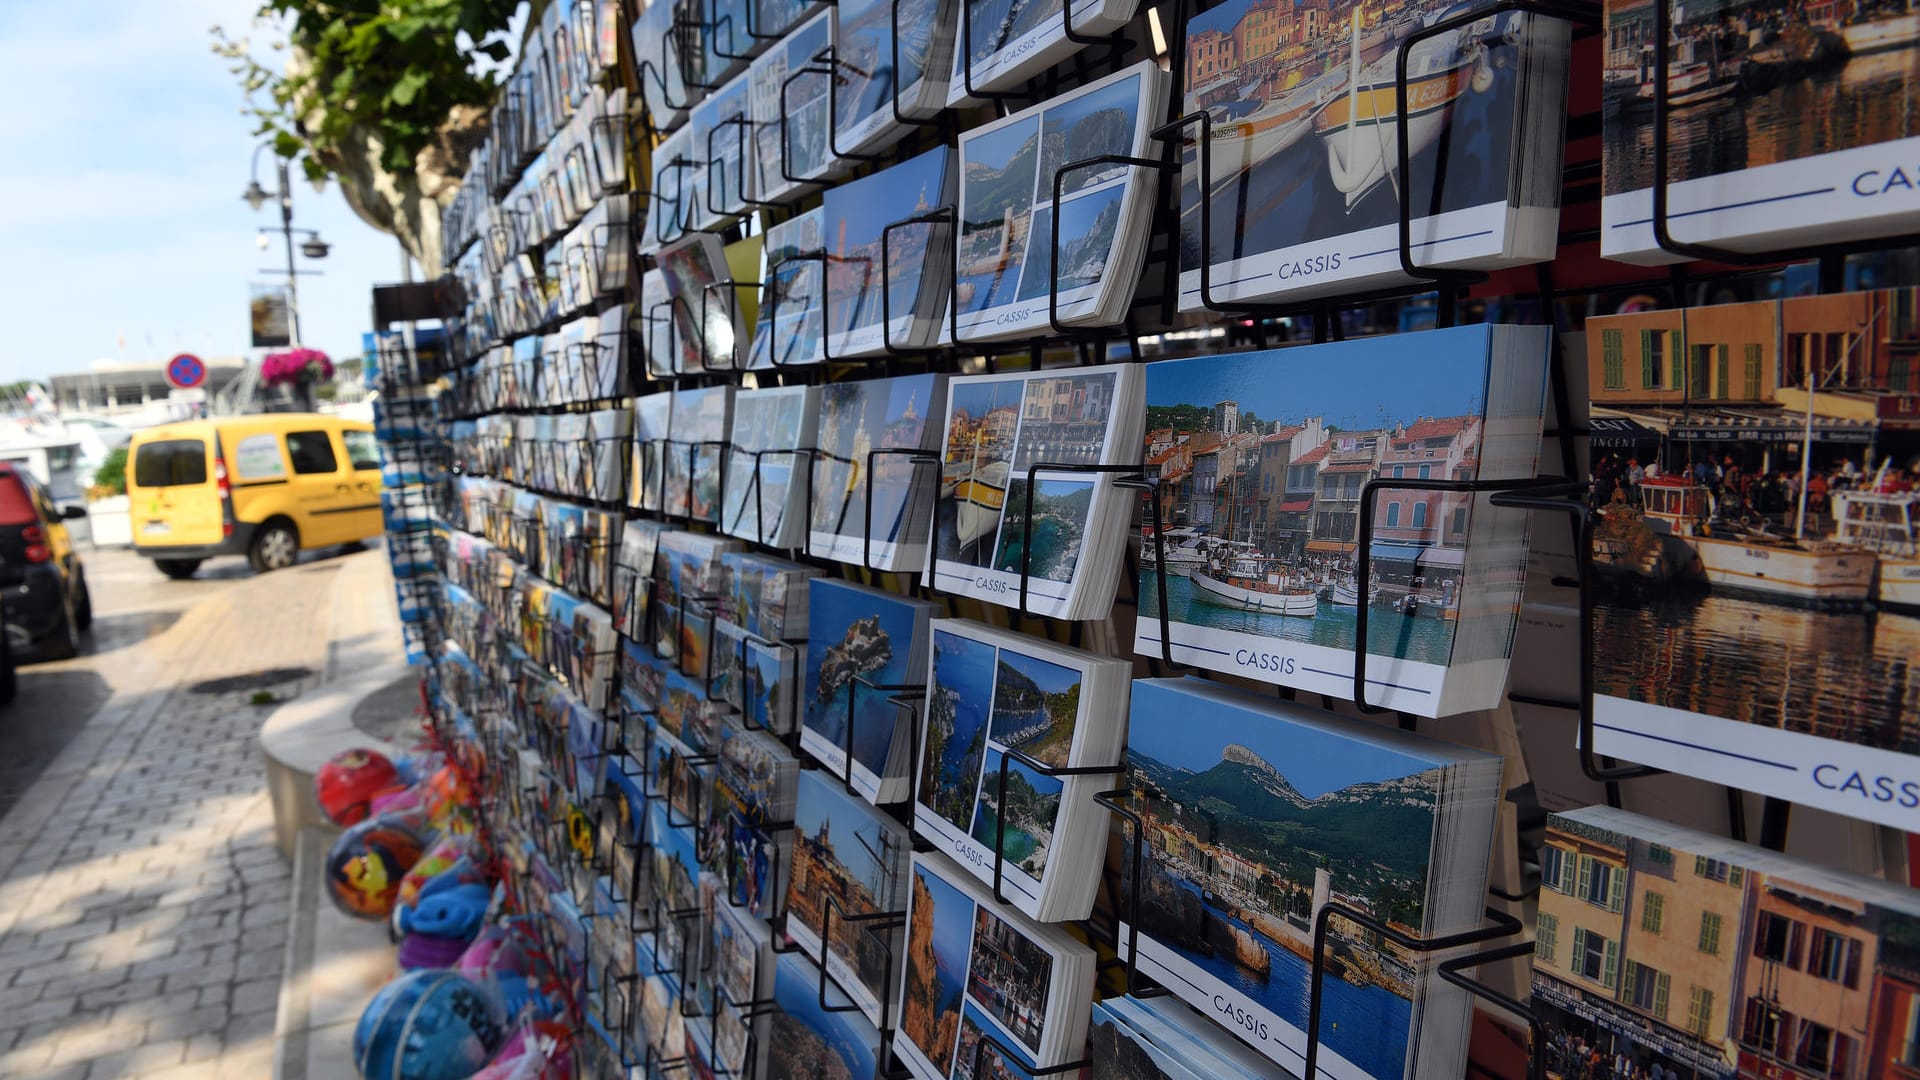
(185, 372)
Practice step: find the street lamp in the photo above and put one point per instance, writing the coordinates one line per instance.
(313, 247)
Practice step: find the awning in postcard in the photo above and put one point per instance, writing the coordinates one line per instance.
(1297, 506)
(1620, 433)
(1443, 556)
(1396, 552)
(1339, 546)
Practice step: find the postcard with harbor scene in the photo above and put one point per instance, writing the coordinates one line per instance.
(808, 1039)
(998, 427)
(859, 641)
(1261, 459)
(985, 700)
(1756, 545)
(1787, 123)
(1254, 822)
(858, 417)
(1302, 156)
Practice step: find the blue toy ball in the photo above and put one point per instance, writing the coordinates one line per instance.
(426, 1025)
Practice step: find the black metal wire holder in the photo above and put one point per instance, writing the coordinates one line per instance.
(900, 695)
(1007, 757)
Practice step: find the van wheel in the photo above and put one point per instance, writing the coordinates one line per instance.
(62, 642)
(275, 547)
(178, 569)
(9, 678)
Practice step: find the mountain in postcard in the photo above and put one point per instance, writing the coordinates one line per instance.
(1107, 131)
(992, 192)
(1388, 823)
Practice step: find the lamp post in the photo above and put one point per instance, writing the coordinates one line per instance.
(313, 247)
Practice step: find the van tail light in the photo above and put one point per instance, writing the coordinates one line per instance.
(33, 534)
(36, 541)
(220, 479)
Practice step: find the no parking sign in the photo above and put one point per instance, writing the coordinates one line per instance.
(186, 372)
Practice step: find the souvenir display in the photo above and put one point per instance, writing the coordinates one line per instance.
(789, 327)
(771, 428)
(849, 864)
(865, 649)
(985, 990)
(1752, 163)
(869, 502)
(1259, 813)
(875, 305)
(1002, 42)
(1662, 947)
(1065, 535)
(1011, 261)
(1004, 702)
(1259, 459)
(1303, 186)
(1754, 548)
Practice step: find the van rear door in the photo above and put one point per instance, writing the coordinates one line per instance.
(171, 492)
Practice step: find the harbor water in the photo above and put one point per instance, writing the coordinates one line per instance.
(1389, 633)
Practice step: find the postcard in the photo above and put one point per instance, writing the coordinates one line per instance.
(699, 423)
(1303, 185)
(725, 146)
(1004, 259)
(806, 1040)
(789, 98)
(858, 417)
(765, 596)
(1262, 459)
(788, 329)
(1756, 578)
(1314, 808)
(851, 858)
(1750, 164)
(706, 323)
(872, 304)
(998, 428)
(770, 428)
(864, 648)
(880, 72)
(1662, 949)
(1000, 42)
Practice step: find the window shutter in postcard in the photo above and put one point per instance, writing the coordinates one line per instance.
(1662, 985)
(1617, 895)
(1610, 970)
(1586, 875)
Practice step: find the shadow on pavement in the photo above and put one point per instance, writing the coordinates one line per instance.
(52, 706)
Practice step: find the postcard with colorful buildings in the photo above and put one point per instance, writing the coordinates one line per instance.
(1662, 952)
(1302, 168)
(1788, 123)
(1757, 485)
(1262, 460)
(851, 860)
(867, 507)
(874, 302)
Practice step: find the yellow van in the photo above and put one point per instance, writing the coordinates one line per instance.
(261, 486)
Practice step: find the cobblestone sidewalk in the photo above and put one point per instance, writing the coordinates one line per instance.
(143, 907)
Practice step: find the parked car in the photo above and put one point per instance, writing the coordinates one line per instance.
(42, 581)
(266, 487)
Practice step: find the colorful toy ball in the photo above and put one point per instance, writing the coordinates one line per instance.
(426, 1025)
(367, 862)
(346, 784)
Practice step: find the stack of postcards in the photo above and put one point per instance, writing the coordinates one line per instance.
(865, 649)
(633, 577)
(765, 596)
(656, 58)
(646, 478)
(1161, 1039)
(1303, 185)
(788, 328)
(1007, 266)
(771, 429)
(849, 865)
(1257, 815)
(986, 992)
(875, 305)
(743, 964)
(1001, 43)
(893, 58)
(697, 428)
(805, 1038)
(788, 99)
(1066, 533)
(1007, 703)
(693, 322)
(870, 501)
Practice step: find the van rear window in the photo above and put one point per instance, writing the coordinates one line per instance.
(16, 506)
(170, 463)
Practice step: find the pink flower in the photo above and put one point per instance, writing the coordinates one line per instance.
(295, 366)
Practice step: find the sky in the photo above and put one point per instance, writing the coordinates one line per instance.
(1176, 729)
(123, 155)
(1399, 383)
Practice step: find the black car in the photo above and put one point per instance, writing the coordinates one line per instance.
(42, 584)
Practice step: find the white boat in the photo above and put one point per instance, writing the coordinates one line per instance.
(1360, 128)
(1816, 572)
(1887, 524)
(1184, 547)
(1247, 584)
(1286, 117)
(1345, 593)
(1878, 35)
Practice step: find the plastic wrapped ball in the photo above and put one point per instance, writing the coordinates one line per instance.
(367, 862)
(345, 786)
(426, 1025)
